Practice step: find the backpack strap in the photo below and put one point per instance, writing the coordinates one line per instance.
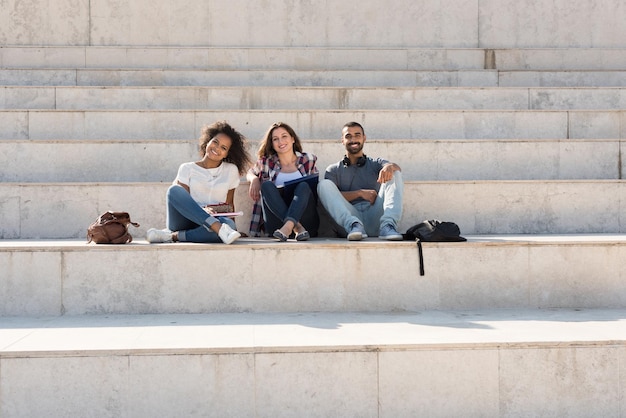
(420, 255)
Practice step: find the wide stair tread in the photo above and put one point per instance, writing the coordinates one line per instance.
(308, 332)
(313, 364)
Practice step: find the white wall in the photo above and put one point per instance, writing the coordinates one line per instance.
(397, 23)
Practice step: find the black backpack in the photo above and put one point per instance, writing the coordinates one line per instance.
(432, 231)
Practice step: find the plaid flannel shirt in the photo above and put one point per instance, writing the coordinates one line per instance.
(266, 169)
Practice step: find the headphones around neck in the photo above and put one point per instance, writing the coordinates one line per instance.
(359, 163)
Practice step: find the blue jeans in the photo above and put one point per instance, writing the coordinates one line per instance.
(189, 219)
(387, 208)
(303, 208)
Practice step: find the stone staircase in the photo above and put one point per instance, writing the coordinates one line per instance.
(505, 118)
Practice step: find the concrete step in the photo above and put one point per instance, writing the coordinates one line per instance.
(274, 78)
(562, 78)
(451, 363)
(210, 98)
(316, 123)
(329, 78)
(312, 58)
(32, 210)
(558, 59)
(541, 271)
(425, 159)
(309, 58)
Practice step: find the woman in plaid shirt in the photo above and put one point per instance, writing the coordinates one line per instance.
(281, 159)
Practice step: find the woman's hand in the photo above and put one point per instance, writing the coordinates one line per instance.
(255, 189)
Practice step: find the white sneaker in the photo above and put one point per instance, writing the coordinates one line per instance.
(158, 235)
(228, 234)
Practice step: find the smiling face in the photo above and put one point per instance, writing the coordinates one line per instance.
(217, 148)
(353, 138)
(282, 141)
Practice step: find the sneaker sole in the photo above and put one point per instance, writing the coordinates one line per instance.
(355, 236)
(393, 237)
(232, 238)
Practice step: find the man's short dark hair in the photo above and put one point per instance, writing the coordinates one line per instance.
(352, 125)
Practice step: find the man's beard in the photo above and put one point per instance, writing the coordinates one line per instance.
(356, 150)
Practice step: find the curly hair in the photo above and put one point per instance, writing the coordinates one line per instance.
(237, 154)
(266, 149)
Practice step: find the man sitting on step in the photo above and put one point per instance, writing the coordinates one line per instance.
(362, 195)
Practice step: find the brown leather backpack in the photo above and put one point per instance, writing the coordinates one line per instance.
(111, 228)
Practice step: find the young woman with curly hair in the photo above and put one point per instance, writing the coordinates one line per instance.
(210, 181)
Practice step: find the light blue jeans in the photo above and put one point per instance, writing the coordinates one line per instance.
(387, 208)
(189, 219)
